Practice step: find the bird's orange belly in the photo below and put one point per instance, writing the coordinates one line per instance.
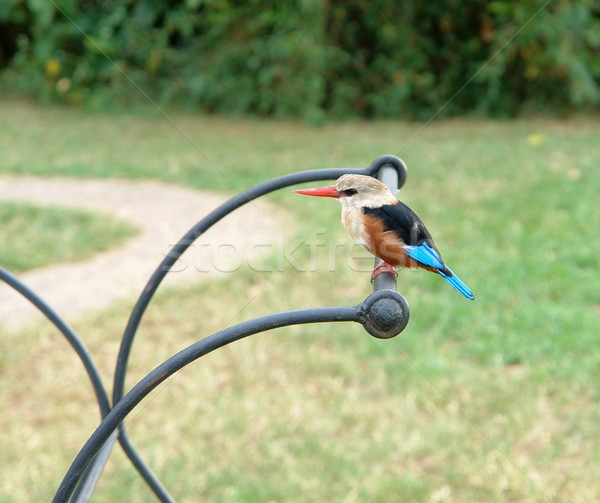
(385, 244)
(391, 252)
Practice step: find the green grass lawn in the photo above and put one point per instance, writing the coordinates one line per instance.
(492, 400)
(35, 236)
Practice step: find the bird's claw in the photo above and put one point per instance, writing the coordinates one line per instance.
(381, 268)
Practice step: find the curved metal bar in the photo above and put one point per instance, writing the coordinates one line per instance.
(384, 314)
(67, 331)
(385, 161)
(140, 465)
(93, 470)
(211, 219)
(186, 356)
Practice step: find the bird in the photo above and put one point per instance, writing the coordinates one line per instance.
(386, 227)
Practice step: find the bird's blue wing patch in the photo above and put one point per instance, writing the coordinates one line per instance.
(425, 255)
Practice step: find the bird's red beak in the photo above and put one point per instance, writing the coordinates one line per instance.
(320, 191)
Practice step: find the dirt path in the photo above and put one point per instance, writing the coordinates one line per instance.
(163, 212)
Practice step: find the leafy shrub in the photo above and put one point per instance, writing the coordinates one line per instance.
(307, 59)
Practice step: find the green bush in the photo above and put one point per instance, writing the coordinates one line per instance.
(307, 59)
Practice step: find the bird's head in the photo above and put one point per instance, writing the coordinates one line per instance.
(355, 191)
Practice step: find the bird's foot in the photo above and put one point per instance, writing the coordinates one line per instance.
(381, 268)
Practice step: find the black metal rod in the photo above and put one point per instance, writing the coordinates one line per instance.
(383, 315)
(140, 465)
(180, 360)
(389, 175)
(203, 225)
(73, 339)
(385, 161)
(94, 469)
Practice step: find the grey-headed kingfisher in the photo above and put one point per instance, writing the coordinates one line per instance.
(386, 227)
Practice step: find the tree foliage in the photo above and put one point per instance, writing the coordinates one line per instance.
(308, 58)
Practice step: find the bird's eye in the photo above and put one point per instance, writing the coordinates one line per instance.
(349, 192)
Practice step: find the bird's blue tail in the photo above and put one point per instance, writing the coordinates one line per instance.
(455, 281)
(426, 255)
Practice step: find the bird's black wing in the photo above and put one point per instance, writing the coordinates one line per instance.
(400, 219)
